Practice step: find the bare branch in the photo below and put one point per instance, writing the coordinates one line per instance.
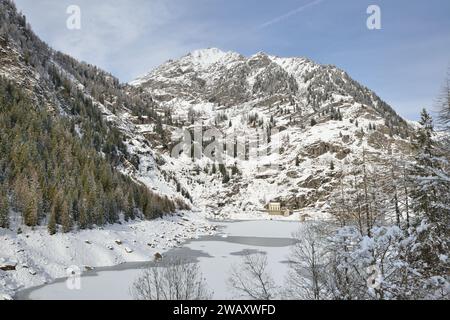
(174, 280)
(252, 279)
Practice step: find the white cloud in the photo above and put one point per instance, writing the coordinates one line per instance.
(116, 35)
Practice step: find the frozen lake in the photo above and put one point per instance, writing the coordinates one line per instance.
(215, 254)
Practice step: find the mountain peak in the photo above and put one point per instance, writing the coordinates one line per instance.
(207, 57)
(260, 54)
(207, 52)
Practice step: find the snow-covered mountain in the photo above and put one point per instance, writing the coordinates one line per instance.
(75, 173)
(317, 117)
(320, 119)
(56, 82)
(228, 78)
(303, 128)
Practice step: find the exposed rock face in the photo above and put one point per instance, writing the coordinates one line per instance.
(8, 266)
(320, 148)
(320, 123)
(157, 257)
(231, 88)
(303, 121)
(314, 182)
(274, 80)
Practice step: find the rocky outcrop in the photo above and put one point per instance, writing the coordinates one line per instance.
(323, 118)
(8, 266)
(320, 148)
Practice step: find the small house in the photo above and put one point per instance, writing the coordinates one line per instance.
(276, 209)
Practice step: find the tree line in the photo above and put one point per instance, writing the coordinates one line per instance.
(389, 235)
(50, 176)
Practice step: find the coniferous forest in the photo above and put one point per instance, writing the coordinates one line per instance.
(50, 175)
(295, 180)
(58, 155)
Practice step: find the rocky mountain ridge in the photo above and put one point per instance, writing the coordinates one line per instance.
(320, 120)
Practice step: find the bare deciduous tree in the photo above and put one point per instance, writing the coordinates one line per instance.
(175, 279)
(443, 103)
(251, 278)
(305, 279)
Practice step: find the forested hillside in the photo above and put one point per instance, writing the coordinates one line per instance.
(60, 151)
(52, 176)
(373, 188)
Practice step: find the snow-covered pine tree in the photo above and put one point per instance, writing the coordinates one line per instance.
(431, 205)
(431, 196)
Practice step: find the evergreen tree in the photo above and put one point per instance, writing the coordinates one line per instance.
(56, 176)
(51, 225)
(4, 208)
(431, 200)
(66, 221)
(30, 213)
(83, 221)
(425, 163)
(74, 211)
(129, 211)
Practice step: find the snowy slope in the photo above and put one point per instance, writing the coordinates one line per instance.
(36, 256)
(237, 95)
(291, 91)
(40, 258)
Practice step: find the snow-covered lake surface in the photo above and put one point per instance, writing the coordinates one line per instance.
(215, 254)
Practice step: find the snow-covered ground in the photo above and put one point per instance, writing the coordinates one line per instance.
(40, 258)
(216, 256)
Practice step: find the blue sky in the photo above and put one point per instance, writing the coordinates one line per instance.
(405, 62)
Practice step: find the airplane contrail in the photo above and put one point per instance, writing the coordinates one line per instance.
(289, 14)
